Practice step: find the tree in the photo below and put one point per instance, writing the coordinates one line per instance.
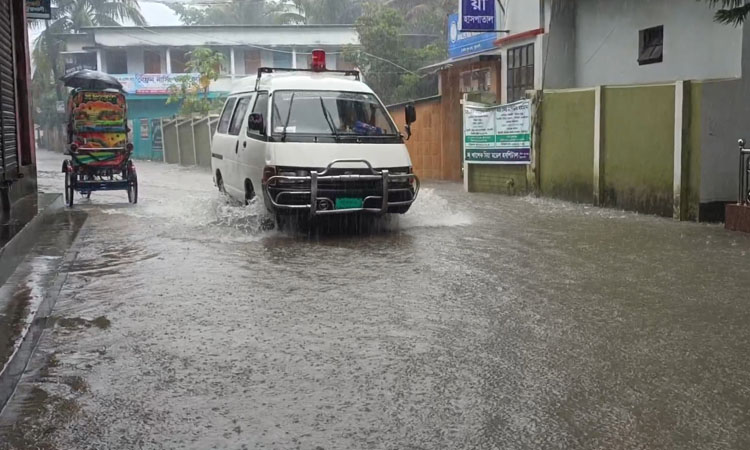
(387, 62)
(237, 12)
(72, 15)
(425, 16)
(260, 12)
(331, 12)
(732, 12)
(207, 63)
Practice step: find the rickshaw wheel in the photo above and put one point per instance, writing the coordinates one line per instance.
(132, 178)
(133, 189)
(69, 189)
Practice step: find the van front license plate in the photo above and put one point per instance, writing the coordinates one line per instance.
(349, 203)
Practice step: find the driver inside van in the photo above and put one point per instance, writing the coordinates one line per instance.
(350, 123)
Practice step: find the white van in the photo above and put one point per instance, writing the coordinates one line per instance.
(312, 142)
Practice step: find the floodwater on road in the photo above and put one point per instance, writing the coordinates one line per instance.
(473, 322)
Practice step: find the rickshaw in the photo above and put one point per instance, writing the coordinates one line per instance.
(98, 144)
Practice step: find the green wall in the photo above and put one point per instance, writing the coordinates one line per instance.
(498, 178)
(567, 145)
(638, 148)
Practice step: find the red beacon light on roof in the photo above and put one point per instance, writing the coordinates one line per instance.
(318, 61)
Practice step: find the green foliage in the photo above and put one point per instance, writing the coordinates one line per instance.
(237, 12)
(425, 16)
(193, 95)
(388, 63)
(331, 11)
(207, 63)
(71, 16)
(731, 12)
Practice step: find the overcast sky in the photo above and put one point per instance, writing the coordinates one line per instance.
(158, 14)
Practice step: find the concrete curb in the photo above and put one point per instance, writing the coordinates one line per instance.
(18, 361)
(19, 245)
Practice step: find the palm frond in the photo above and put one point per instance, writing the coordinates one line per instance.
(726, 4)
(121, 11)
(734, 16)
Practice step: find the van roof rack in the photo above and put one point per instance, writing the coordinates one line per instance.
(262, 70)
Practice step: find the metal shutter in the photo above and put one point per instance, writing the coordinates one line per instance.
(8, 133)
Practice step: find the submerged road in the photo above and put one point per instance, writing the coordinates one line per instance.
(473, 322)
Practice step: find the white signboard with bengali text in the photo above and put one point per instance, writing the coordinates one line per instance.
(498, 134)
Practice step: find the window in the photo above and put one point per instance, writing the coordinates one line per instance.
(465, 82)
(252, 61)
(282, 59)
(475, 81)
(226, 115)
(239, 116)
(316, 112)
(305, 61)
(178, 58)
(117, 61)
(151, 61)
(520, 71)
(79, 61)
(650, 45)
(261, 107)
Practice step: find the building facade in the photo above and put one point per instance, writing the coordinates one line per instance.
(605, 42)
(632, 52)
(492, 68)
(148, 60)
(17, 153)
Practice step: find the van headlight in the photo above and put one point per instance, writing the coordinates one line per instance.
(291, 173)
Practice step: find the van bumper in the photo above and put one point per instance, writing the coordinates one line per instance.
(332, 192)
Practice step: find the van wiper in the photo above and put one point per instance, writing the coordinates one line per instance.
(329, 119)
(288, 116)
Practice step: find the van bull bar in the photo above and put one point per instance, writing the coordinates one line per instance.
(325, 206)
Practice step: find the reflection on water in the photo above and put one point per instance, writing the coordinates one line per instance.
(474, 321)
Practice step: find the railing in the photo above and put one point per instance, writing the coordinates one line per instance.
(744, 182)
(187, 140)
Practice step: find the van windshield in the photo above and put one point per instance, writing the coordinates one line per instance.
(330, 113)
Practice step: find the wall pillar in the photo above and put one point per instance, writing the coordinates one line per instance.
(532, 169)
(231, 62)
(681, 150)
(598, 144)
(294, 58)
(99, 59)
(169, 62)
(465, 168)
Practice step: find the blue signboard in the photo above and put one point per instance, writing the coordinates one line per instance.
(463, 44)
(478, 15)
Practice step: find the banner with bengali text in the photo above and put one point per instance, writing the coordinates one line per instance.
(498, 134)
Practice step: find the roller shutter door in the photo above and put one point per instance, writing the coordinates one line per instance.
(8, 128)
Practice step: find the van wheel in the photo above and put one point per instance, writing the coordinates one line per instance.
(249, 192)
(220, 182)
(282, 222)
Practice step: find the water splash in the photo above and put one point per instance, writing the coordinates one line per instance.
(432, 210)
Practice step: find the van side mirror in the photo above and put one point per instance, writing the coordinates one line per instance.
(256, 123)
(410, 112)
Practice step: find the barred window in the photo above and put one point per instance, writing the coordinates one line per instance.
(520, 71)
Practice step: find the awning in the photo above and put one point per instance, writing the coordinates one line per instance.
(467, 58)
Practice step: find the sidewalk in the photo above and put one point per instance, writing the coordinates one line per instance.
(34, 241)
